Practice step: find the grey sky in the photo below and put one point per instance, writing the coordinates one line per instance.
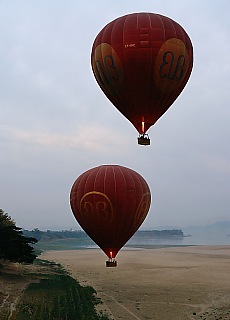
(56, 123)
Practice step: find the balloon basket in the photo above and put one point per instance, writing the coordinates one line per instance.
(111, 263)
(143, 140)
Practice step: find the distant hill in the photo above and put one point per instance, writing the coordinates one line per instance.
(220, 227)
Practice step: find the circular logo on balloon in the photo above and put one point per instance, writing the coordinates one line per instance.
(142, 210)
(171, 65)
(107, 66)
(96, 208)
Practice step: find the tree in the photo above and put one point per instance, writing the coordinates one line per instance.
(14, 246)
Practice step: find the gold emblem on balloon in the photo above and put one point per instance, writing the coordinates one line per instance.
(96, 207)
(171, 65)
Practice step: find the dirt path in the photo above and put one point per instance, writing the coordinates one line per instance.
(14, 279)
(12, 284)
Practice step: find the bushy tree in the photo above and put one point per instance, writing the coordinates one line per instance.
(14, 246)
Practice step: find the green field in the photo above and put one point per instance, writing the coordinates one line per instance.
(64, 244)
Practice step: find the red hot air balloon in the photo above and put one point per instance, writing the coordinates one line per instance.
(142, 62)
(110, 202)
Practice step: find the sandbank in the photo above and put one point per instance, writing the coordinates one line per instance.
(180, 283)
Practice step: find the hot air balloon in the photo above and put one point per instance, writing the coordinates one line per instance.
(142, 62)
(110, 202)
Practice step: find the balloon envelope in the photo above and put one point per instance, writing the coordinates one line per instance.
(110, 202)
(142, 62)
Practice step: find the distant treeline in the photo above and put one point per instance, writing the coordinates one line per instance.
(49, 235)
(79, 234)
(160, 234)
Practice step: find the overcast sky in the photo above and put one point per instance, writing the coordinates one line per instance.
(56, 123)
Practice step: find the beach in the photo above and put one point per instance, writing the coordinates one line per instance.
(176, 283)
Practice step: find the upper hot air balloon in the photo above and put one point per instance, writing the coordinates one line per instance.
(142, 62)
(110, 202)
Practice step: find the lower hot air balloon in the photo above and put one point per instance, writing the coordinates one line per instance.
(110, 202)
(142, 62)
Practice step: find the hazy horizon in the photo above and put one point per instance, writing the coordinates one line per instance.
(218, 224)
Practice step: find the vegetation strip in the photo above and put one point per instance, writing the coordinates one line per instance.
(57, 296)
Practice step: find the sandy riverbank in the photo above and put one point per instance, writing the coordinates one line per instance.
(165, 284)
